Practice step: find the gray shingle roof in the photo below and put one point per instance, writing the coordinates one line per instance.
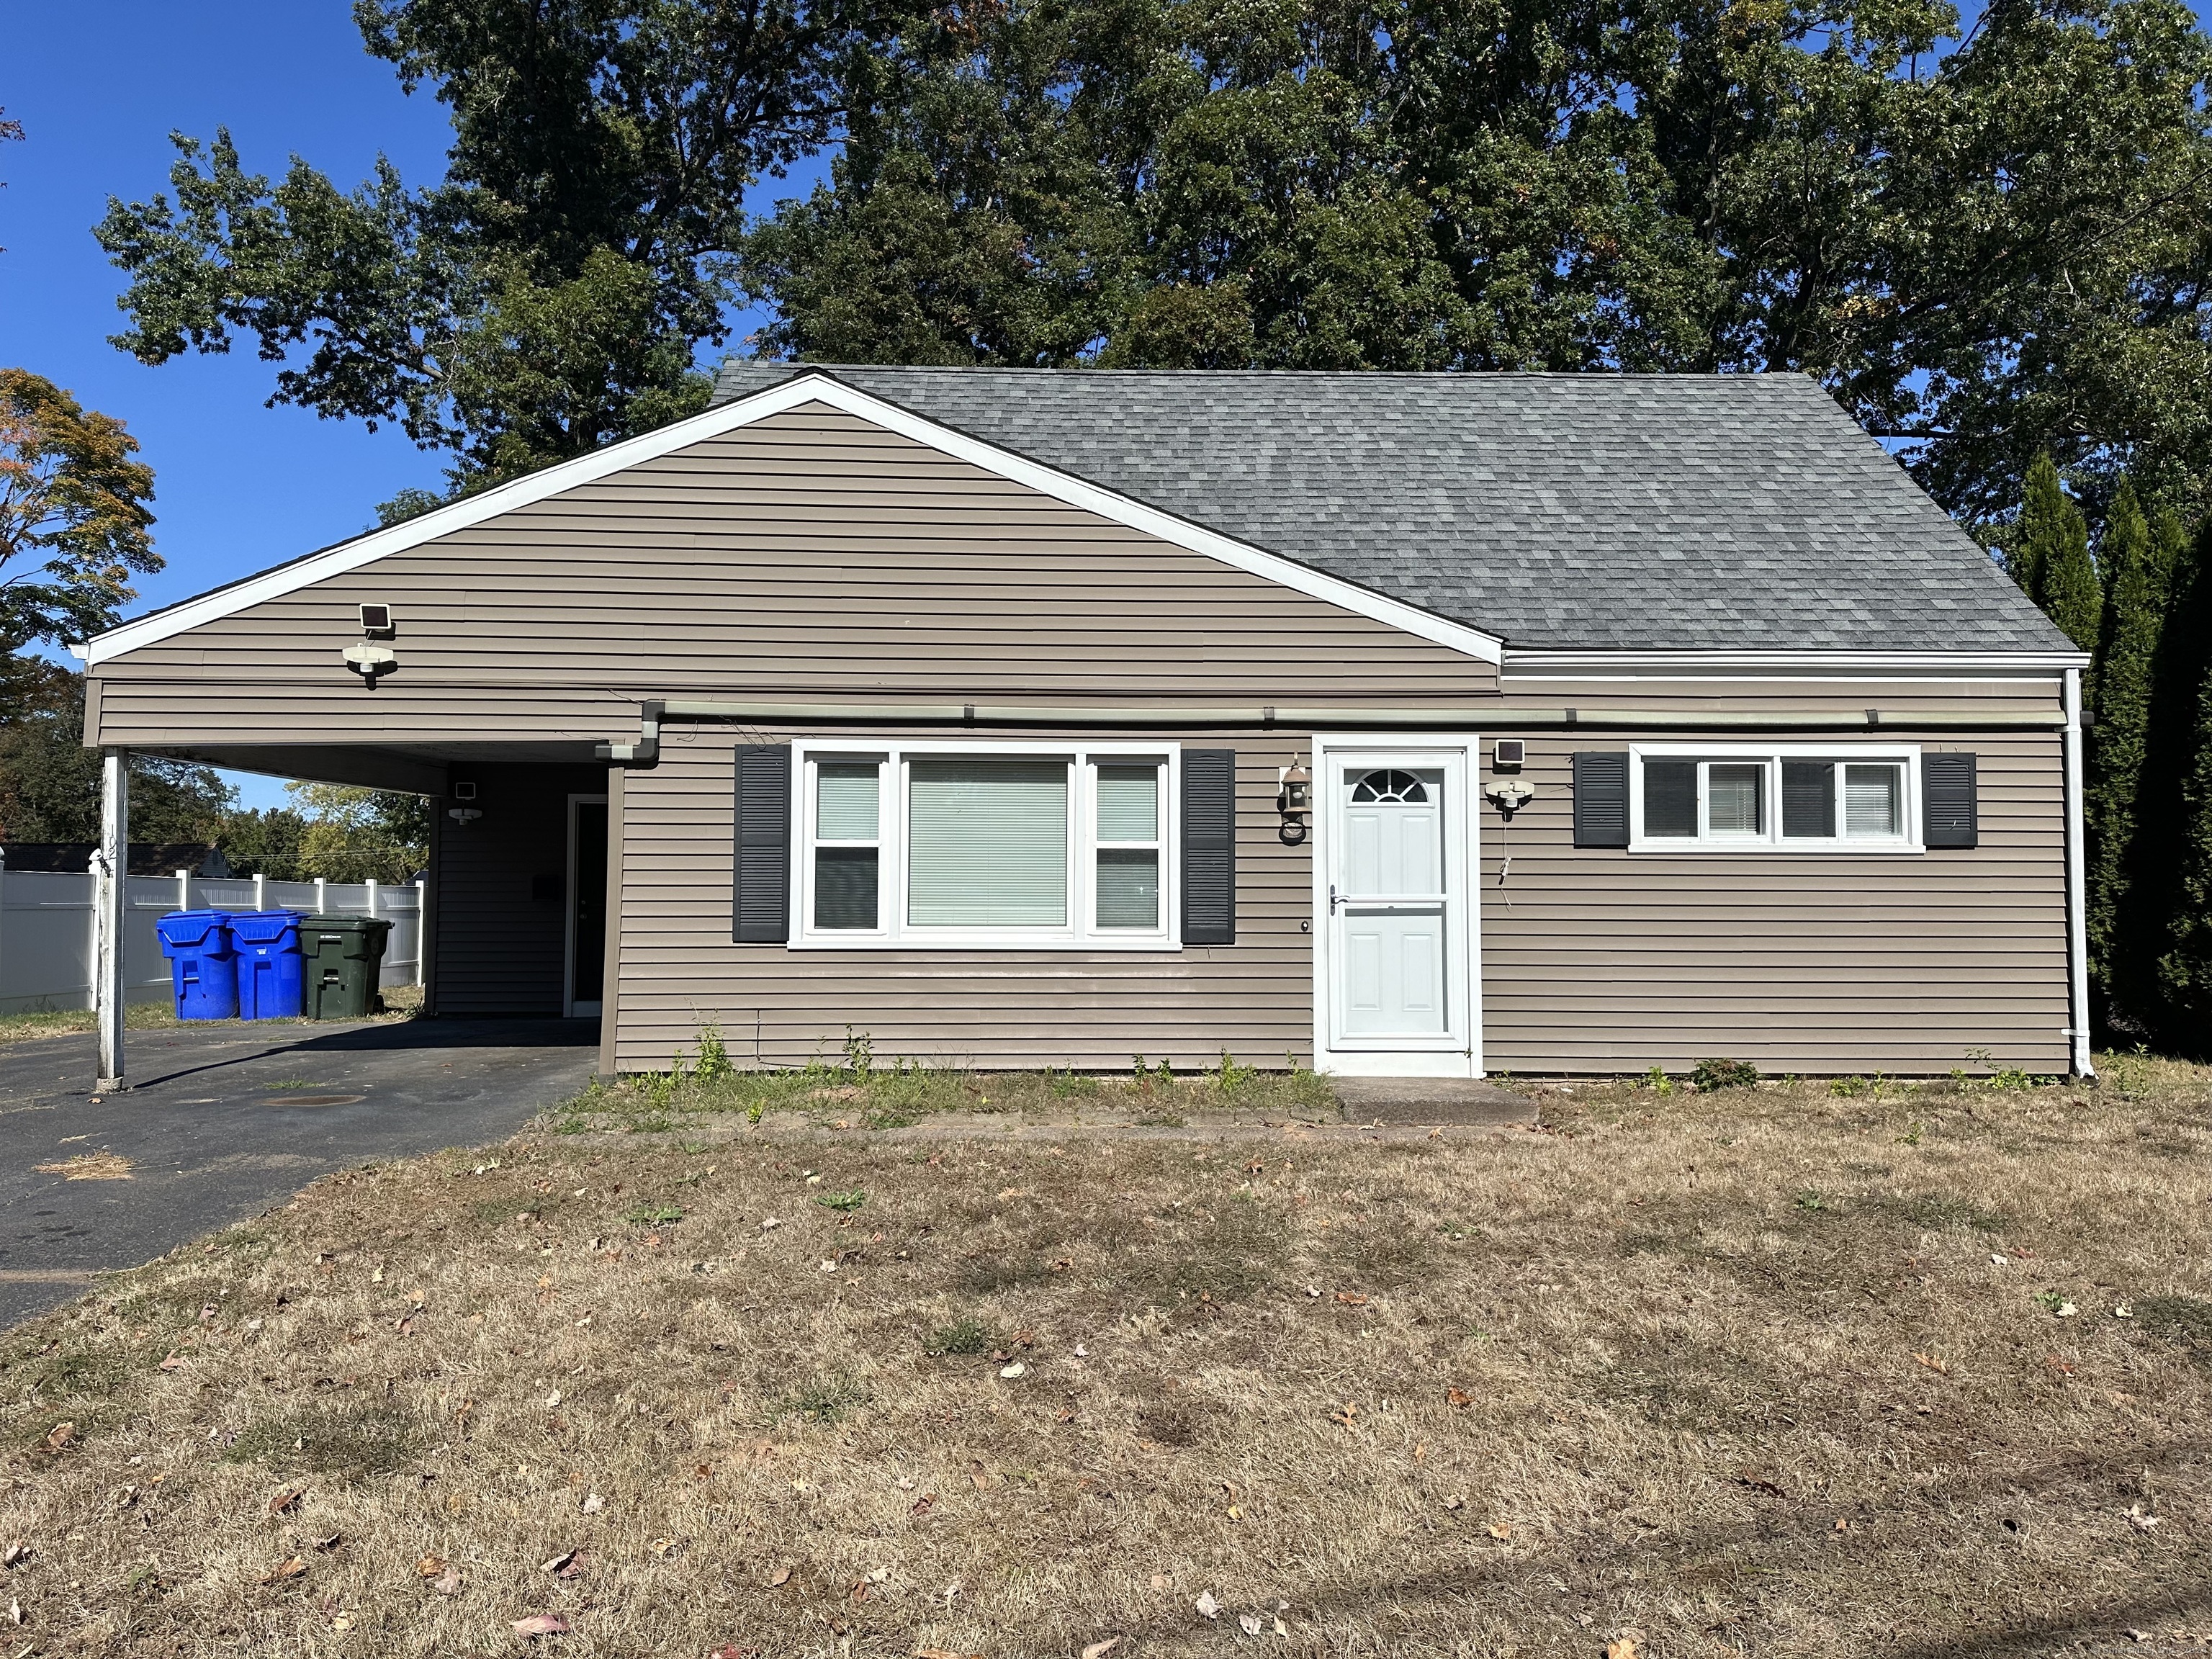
(1726, 512)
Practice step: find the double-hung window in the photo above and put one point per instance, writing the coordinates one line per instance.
(1793, 798)
(970, 844)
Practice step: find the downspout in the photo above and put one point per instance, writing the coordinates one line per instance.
(646, 751)
(2078, 903)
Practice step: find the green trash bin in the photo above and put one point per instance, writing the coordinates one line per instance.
(338, 979)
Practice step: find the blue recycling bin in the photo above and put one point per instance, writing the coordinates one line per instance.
(201, 968)
(268, 946)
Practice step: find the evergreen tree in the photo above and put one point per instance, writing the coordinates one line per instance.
(2046, 518)
(2170, 885)
(2138, 564)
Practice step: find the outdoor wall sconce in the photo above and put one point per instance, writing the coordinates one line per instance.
(465, 790)
(1508, 797)
(1294, 800)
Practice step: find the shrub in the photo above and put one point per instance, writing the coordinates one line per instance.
(1712, 1074)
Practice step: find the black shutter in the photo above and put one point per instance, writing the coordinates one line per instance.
(1948, 815)
(1209, 847)
(762, 909)
(1600, 797)
(1809, 798)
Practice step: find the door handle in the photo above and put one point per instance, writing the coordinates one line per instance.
(1332, 898)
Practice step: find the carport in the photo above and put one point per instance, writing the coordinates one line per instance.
(515, 903)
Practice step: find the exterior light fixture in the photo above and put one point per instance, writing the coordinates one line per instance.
(1508, 797)
(1294, 800)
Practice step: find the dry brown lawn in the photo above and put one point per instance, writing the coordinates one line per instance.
(1768, 1371)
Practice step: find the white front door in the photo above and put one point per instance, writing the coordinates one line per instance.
(1396, 980)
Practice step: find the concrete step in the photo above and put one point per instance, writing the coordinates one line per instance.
(1431, 1100)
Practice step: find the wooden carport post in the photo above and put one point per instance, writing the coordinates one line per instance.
(113, 898)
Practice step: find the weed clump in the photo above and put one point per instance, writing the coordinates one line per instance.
(1710, 1075)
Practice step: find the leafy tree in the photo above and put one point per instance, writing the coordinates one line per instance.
(361, 834)
(545, 296)
(265, 841)
(2139, 562)
(74, 522)
(50, 781)
(1987, 247)
(9, 130)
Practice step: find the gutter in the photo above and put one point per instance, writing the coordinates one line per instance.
(1302, 717)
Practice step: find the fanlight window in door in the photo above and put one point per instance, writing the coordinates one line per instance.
(1390, 786)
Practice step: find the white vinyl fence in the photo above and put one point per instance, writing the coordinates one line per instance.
(47, 920)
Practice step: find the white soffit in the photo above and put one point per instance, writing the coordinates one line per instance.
(806, 386)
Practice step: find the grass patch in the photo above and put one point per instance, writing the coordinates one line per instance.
(961, 1336)
(350, 1442)
(1513, 1393)
(823, 1399)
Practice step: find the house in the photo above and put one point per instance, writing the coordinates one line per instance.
(1436, 725)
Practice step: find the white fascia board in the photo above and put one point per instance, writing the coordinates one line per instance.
(805, 387)
(1533, 664)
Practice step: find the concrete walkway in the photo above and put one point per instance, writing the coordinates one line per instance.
(223, 1120)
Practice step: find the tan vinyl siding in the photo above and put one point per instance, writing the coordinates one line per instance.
(810, 556)
(984, 1008)
(500, 911)
(1604, 961)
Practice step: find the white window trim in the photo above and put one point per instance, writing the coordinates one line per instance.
(1081, 933)
(1771, 841)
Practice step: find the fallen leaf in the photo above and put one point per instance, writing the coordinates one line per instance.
(15, 1554)
(286, 1498)
(1760, 1484)
(175, 1362)
(1206, 1606)
(60, 1435)
(593, 1503)
(1458, 1397)
(1346, 1417)
(1352, 1298)
(1010, 1372)
(731, 1651)
(1100, 1650)
(448, 1583)
(923, 1504)
(1934, 1363)
(779, 1578)
(560, 1564)
(1499, 1529)
(1623, 1649)
(324, 1546)
(290, 1567)
(1249, 1623)
(541, 1623)
(2139, 1521)
(1455, 1504)
(1842, 1524)
(943, 1653)
(430, 1566)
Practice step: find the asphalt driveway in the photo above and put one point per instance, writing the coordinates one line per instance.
(224, 1120)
